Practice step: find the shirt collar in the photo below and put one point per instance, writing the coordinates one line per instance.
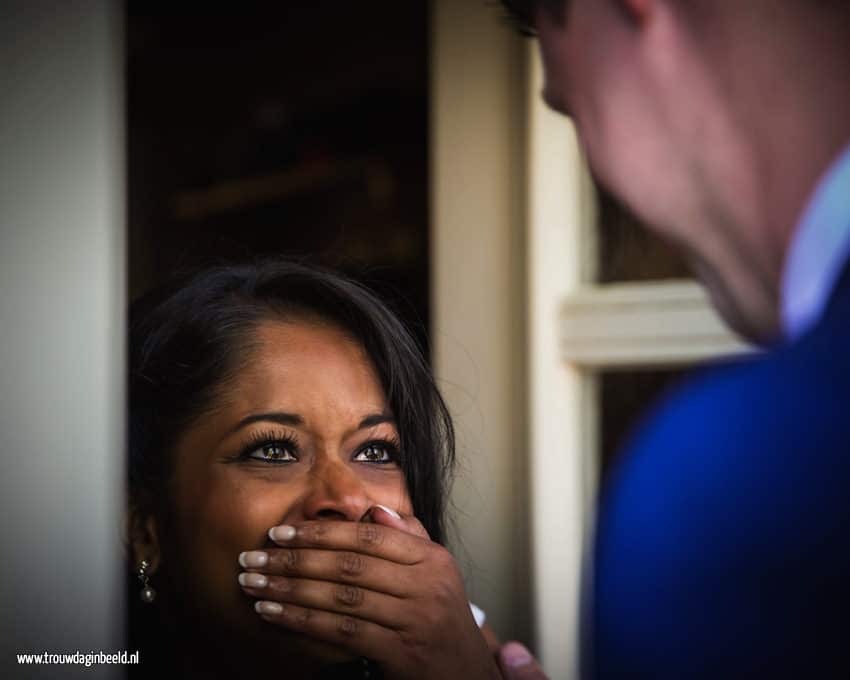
(819, 250)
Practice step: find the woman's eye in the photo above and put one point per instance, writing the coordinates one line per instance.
(272, 453)
(374, 453)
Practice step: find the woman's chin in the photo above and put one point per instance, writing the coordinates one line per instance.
(323, 652)
(261, 646)
(310, 652)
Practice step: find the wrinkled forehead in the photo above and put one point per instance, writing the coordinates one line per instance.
(316, 372)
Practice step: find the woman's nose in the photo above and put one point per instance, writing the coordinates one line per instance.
(335, 492)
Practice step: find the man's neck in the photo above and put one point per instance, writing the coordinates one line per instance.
(788, 110)
(798, 118)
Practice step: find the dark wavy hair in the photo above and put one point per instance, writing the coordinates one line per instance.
(189, 338)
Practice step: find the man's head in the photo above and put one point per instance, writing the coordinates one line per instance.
(682, 107)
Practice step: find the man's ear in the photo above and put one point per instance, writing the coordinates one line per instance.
(142, 538)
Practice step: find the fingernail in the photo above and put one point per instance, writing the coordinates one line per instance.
(253, 580)
(282, 533)
(265, 607)
(514, 655)
(389, 511)
(253, 559)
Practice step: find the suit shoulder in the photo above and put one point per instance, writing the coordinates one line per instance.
(752, 457)
(724, 530)
(794, 398)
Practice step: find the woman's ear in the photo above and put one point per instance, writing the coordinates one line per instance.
(142, 538)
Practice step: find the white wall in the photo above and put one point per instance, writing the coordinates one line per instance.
(61, 329)
(478, 70)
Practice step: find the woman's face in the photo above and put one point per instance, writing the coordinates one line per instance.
(304, 432)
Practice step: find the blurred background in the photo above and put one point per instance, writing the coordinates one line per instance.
(296, 128)
(403, 143)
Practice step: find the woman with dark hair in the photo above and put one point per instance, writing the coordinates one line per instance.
(289, 456)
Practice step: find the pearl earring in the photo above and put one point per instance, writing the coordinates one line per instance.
(147, 593)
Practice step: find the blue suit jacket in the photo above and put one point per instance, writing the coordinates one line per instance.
(723, 547)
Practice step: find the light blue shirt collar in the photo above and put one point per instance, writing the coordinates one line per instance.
(819, 250)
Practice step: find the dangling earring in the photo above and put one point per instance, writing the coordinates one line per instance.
(147, 593)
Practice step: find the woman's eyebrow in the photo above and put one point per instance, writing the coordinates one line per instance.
(294, 420)
(376, 419)
(291, 419)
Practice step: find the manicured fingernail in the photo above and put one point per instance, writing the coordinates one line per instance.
(282, 533)
(515, 655)
(389, 511)
(253, 580)
(253, 559)
(265, 607)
